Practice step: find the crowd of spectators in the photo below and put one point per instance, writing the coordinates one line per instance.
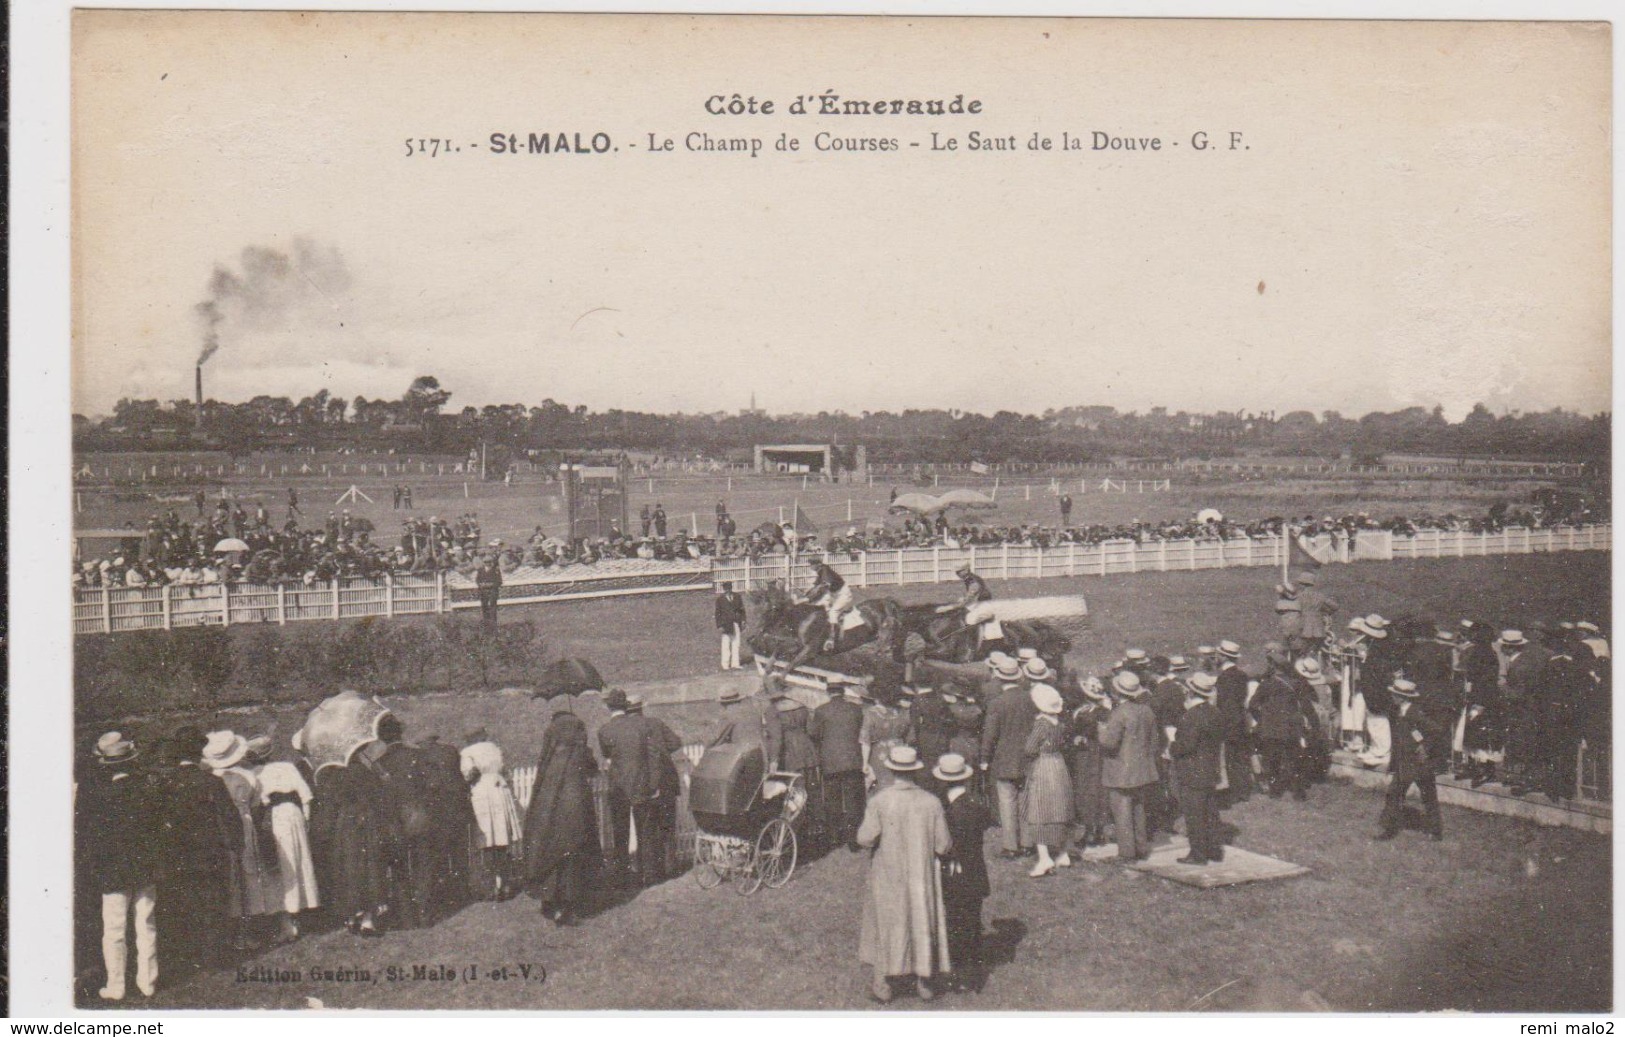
(170, 550)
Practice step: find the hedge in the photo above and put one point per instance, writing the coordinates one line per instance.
(205, 668)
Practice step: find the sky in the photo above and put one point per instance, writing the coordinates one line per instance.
(1418, 213)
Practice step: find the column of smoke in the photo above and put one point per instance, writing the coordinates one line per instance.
(272, 291)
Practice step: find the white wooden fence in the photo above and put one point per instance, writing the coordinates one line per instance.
(900, 566)
(111, 609)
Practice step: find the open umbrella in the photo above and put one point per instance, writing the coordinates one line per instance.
(229, 545)
(1209, 515)
(568, 677)
(922, 503)
(338, 726)
(966, 498)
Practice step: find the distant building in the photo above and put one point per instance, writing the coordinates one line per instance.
(823, 460)
(753, 411)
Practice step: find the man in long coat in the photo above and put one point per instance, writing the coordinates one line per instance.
(657, 845)
(930, 726)
(835, 728)
(200, 834)
(1005, 728)
(1197, 742)
(623, 746)
(905, 930)
(964, 869)
(1130, 743)
(115, 829)
(1232, 706)
(1410, 762)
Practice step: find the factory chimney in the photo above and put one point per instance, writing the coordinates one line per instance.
(200, 396)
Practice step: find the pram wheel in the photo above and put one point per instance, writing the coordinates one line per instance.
(776, 853)
(706, 867)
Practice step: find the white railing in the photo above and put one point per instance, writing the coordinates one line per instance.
(907, 565)
(112, 609)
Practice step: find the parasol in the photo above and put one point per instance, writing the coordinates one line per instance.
(1207, 515)
(568, 677)
(922, 503)
(338, 726)
(229, 545)
(966, 498)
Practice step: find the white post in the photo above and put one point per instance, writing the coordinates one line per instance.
(899, 566)
(1029, 491)
(863, 568)
(1040, 550)
(936, 480)
(1072, 558)
(1101, 547)
(1388, 545)
(781, 514)
(694, 523)
(748, 585)
(1004, 560)
(281, 604)
(164, 599)
(389, 595)
(335, 597)
(465, 490)
(936, 564)
(439, 591)
(225, 604)
(1162, 556)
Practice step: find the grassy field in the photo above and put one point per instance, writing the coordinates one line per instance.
(512, 512)
(1503, 916)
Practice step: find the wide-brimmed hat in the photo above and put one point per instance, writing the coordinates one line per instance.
(1046, 698)
(1206, 650)
(1007, 671)
(1135, 657)
(224, 749)
(1128, 683)
(1229, 649)
(1037, 670)
(728, 697)
(1362, 624)
(995, 658)
(1588, 626)
(903, 758)
(259, 747)
(1178, 664)
(1445, 637)
(952, 767)
(113, 747)
(1404, 688)
(1513, 638)
(1285, 589)
(1203, 684)
(1376, 622)
(1309, 669)
(1026, 655)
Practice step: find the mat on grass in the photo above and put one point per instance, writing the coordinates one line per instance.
(1239, 866)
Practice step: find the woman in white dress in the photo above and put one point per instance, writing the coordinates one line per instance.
(495, 811)
(284, 793)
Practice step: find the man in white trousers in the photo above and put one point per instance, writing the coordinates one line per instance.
(730, 613)
(117, 827)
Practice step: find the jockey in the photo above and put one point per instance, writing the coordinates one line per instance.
(830, 591)
(976, 592)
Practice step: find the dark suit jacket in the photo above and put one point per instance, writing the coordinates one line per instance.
(662, 741)
(1411, 759)
(116, 830)
(1277, 709)
(1198, 737)
(835, 727)
(1005, 729)
(930, 726)
(201, 829)
(1231, 700)
(730, 611)
(968, 819)
(1168, 702)
(623, 740)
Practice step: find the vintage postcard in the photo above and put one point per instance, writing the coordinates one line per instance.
(666, 512)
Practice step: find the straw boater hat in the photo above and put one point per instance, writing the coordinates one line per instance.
(1046, 698)
(1403, 688)
(1363, 625)
(1588, 626)
(1229, 649)
(224, 749)
(951, 767)
(903, 758)
(995, 658)
(1445, 637)
(1206, 650)
(1038, 670)
(1309, 669)
(1007, 671)
(1135, 657)
(1513, 638)
(1178, 664)
(1026, 655)
(113, 747)
(1128, 683)
(1203, 684)
(729, 697)
(1307, 579)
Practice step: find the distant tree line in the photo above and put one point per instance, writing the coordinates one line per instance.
(421, 420)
